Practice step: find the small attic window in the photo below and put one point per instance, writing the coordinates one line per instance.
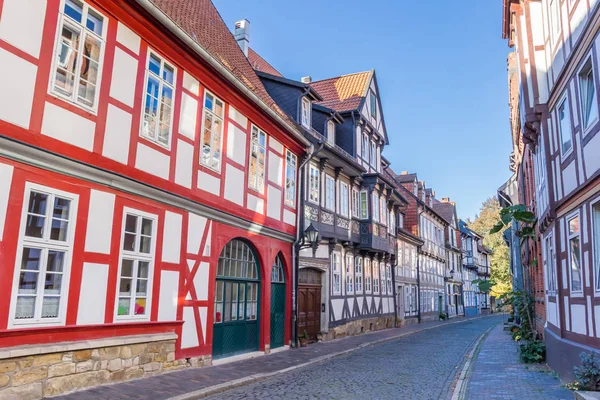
(331, 132)
(373, 105)
(305, 117)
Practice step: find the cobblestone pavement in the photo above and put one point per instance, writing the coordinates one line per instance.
(497, 373)
(424, 365)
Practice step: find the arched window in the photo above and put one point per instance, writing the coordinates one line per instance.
(277, 275)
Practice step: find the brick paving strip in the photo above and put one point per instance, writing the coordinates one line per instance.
(497, 373)
(197, 383)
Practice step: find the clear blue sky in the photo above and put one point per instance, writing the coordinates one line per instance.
(441, 71)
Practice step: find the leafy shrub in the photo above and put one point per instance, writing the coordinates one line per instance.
(533, 352)
(588, 375)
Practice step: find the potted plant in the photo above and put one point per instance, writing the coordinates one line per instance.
(303, 338)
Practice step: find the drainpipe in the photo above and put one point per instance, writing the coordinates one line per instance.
(299, 237)
(419, 268)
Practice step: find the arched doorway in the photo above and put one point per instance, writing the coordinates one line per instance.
(236, 316)
(277, 303)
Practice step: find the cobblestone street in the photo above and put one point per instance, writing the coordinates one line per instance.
(420, 366)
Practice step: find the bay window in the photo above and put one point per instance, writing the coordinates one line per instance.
(258, 155)
(212, 132)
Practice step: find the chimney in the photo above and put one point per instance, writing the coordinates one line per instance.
(306, 79)
(404, 173)
(446, 200)
(242, 35)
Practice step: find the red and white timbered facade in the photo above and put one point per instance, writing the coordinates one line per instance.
(127, 163)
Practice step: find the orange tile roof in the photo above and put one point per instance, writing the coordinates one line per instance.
(260, 64)
(343, 93)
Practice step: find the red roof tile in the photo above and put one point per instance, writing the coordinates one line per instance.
(343, 93)
(260, 64)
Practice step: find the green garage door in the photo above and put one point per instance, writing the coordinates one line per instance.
(236, 319)
(277, 303)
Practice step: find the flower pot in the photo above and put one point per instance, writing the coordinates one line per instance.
(303, 342)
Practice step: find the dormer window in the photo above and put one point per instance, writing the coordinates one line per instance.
(305, 117)
(331, 132)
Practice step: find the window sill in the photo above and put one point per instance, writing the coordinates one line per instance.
(92, 112)
(589, 128)
(55, 322)
(155, 143)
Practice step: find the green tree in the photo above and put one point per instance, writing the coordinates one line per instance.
(488, 216)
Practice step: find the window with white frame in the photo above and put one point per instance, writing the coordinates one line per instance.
(382, 210)
(331, 132)
(364, 205)
(337, 273)
(368, 275)
(375, 206)
(329, 193)
(574, 253)
(349, 274)
(400, 220)
(158, 100)
(258, 154)
(373, 105)
(596, 241)
(212, 132)
(375, 277)
(550, 264)
(290, 178)
(587, 95)
(136, 265)
(79, 54)
(388, 278)
(344, 199)
(355, 203)
(392, 224)
(564, 126)
(358, 272)
(373, 159)
(313, 184)
(365, 147)
(43, 256)
(305, 117)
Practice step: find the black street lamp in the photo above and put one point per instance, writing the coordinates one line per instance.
(311, 235)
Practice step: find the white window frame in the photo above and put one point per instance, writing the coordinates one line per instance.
(329, 193)
(587, 123)
(561, 134)
(373, 156)
(375, 206)
(349, 274)
(376, 277)
(344, 199)
(314, 178)
(206, 111)
(358, 274)
(331, 132)
(147, 257)
(45, 244)
(82, 31)
(570, 236)
(355, 203)
(365, 147)
(364, 204)
(291, 174)
(368, 275)
(161, 84)
(255, 185)
(550, 264)
(305, 112)
(336, 282)
(382, 211)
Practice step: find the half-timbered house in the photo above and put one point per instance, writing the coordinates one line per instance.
(148, 195)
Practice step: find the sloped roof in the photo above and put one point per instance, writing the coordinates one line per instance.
(203, 23)
(343, 93)
(445, 210)
(406, 178)
(260, 64)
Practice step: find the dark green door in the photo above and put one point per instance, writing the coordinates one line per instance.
(236, 317)
(277, 304)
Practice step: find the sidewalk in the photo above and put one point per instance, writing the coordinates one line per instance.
(201, 382)
(497, 373)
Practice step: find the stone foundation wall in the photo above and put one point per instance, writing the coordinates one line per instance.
(407, 321)
(52, 374)
(359, 326)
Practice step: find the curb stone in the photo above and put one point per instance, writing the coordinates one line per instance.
(223, 387)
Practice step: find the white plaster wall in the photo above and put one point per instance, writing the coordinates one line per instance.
(234, 185)
(188, 116)
(209, 183)
(184, 163)
(100, 222)
(578, 20)
(203, 313)
(128, 38)
(196, 225)
(275, 145)
(255, 204)
(22, 24)
(68, 127)
(275, 171)
(190, 83)
(289, 217)
(238, 117)
(189, 333)
(274, 203)
(337, 307)
(578, 318)
(152, 161)
(171, 251)
(597, 319)
(92, 295)
(551, 307)
(591, 155)
(236, 144)
(569, 178)
(168, 295)
(567, 312)
(6, 173)
(117, 134)
(201, 281)
(20, 83)
(122, 86)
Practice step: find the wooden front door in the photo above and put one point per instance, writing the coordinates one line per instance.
(309, 303)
